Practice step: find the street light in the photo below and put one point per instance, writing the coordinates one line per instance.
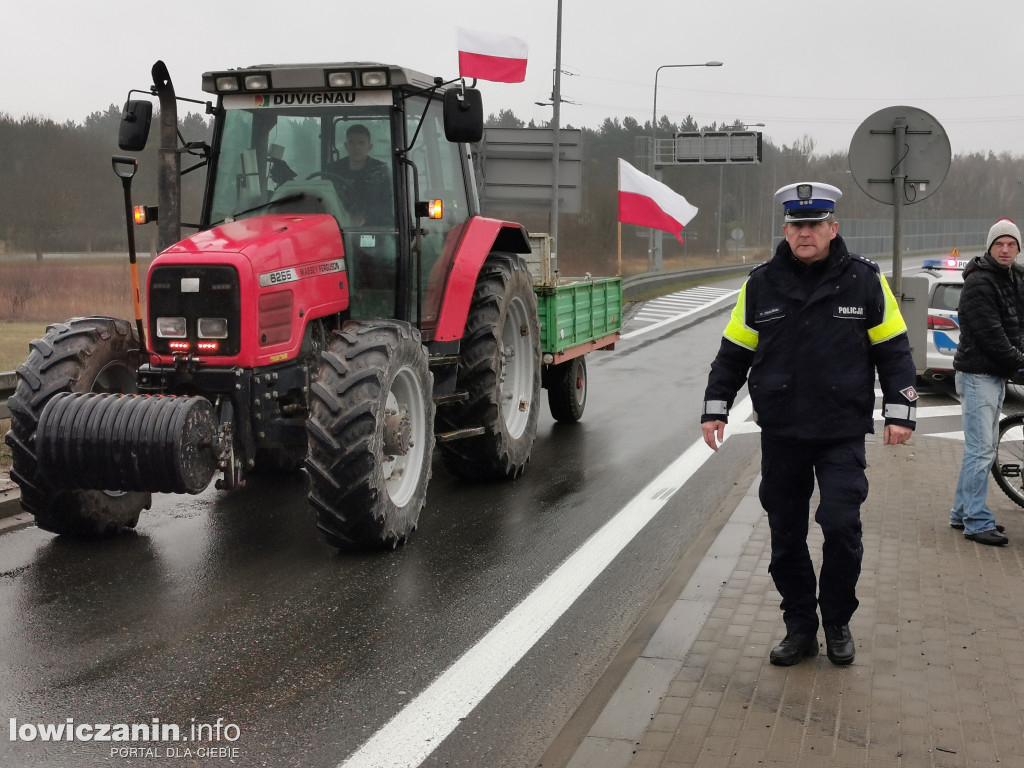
(654, 239)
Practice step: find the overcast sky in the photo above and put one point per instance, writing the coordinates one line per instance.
(802, 69)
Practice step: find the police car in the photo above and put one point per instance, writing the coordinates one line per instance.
(945, 281)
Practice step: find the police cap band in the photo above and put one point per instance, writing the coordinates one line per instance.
(808, 201)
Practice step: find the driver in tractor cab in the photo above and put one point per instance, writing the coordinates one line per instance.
(363, 182)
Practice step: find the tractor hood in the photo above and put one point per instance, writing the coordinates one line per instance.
(265, 277)
(267, 242)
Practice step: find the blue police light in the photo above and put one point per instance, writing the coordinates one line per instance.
(947, 263)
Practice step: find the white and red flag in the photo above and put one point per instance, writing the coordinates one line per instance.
(487, 56)
(647, 202)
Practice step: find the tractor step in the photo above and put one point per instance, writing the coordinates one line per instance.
(458, 434)
(440, 361)
(458, 396)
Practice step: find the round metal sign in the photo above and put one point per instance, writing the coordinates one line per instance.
(736, 234)
(875, 154)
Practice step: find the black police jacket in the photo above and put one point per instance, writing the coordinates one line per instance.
(812, 339)
(990, 312)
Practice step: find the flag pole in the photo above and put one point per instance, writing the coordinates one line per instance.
(619, 272)
(618, 185)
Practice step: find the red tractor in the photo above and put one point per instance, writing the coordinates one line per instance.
(342, 307)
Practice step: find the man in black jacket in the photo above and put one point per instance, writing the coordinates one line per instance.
(989, 352)
(812, 326)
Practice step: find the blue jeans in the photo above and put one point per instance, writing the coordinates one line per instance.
(981, 400)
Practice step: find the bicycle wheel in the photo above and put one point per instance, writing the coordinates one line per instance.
(1008, 469)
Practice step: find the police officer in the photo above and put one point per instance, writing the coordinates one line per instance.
(811, 327)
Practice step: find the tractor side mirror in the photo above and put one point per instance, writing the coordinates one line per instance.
(463, 115)
(135, 120)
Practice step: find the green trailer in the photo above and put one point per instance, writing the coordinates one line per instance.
(577, 315)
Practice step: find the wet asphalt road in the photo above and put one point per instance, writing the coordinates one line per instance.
(231, 606)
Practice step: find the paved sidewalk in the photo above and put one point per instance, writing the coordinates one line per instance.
(939, 674)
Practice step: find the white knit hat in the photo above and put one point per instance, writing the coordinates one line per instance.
(1002, 228)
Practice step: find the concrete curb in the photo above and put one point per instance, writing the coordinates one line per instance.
(613, 738)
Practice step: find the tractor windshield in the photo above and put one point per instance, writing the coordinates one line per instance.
(310, 158)
(316, 157)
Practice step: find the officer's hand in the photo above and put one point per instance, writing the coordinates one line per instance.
(714, 433)
(897, 435)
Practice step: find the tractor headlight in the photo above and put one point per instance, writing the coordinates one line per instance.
(170, 327)
(227, 83)
(213, 327)
(373, 77)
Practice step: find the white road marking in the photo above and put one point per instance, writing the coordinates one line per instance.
(706, 298)
(420, 727)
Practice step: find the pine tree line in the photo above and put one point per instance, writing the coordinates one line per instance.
(58, 192)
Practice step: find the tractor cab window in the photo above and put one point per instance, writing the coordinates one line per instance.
(303, 160)
(440, 176)
(307, 156)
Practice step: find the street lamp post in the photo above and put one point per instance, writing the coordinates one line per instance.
(654, 260)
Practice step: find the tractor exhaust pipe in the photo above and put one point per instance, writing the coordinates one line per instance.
(169, 170)
(153, 443)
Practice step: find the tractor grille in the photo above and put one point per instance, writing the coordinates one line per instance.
(209, 293)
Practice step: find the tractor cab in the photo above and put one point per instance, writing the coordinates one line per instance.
(365, 144)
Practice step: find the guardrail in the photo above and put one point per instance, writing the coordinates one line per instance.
(637, 285)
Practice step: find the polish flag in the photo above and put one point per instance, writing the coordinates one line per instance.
(649, 203)
(486, 56)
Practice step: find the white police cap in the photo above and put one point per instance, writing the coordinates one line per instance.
(808, 201)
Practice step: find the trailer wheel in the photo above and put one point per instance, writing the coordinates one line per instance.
(567, 389)
(91, 354)
(500, 369)
(371, 435)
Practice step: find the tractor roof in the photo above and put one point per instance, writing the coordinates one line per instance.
(300, 77)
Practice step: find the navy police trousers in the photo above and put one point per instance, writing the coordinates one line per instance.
(788, 472)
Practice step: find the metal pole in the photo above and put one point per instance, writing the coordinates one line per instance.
(654, 252)
(899, 179)
(654, 172)
(718, 248)
(556, 98)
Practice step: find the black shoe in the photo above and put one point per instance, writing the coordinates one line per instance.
(793, 648)
(960, 527)
(839, 644)
(992, 538)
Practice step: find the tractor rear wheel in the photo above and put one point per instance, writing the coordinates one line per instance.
(500, 367)
(567, 389)
(90, 354)
(371, 435)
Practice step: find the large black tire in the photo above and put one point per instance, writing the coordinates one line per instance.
(371, 435)
(567, 389)
(500, 367)
(90, 354)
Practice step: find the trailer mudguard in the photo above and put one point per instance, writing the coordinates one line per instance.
(459, 266)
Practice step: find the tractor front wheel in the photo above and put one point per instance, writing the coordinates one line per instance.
(371, 435)
(500, 368)
(90, 354)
